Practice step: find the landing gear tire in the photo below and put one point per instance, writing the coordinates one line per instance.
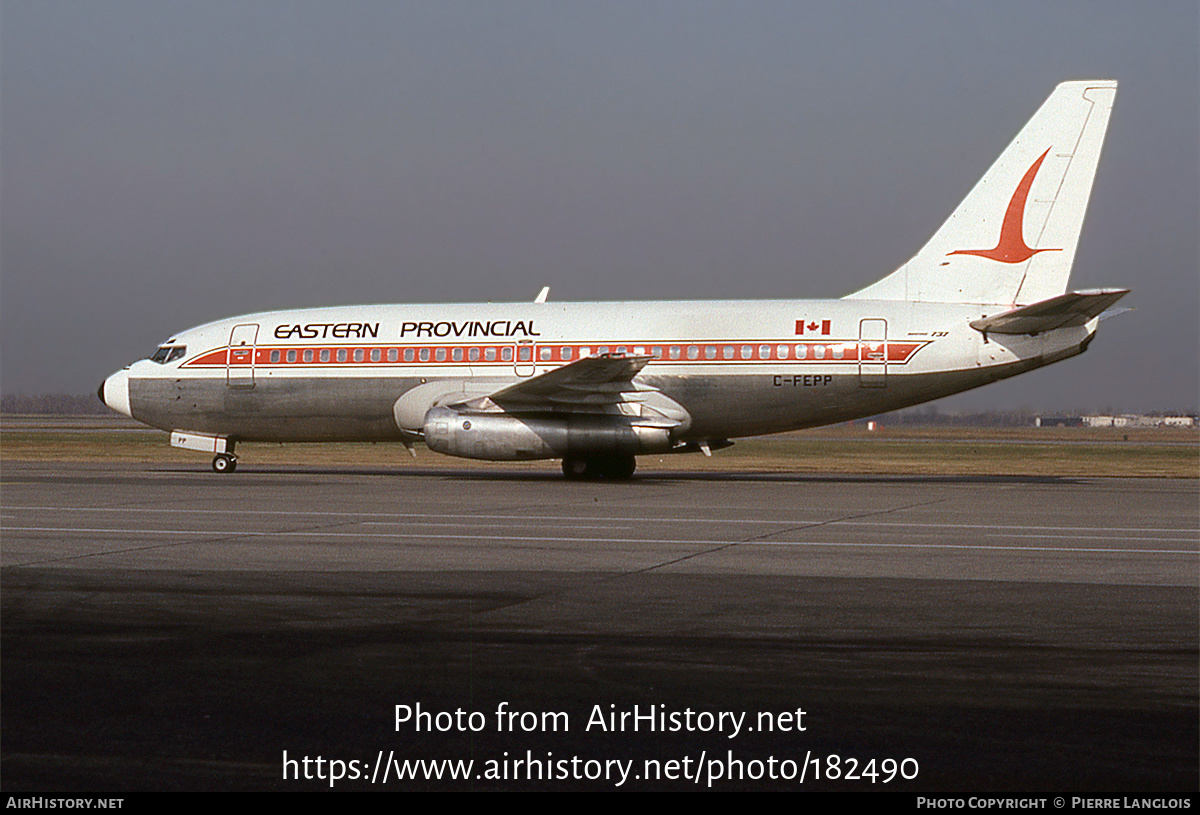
(611, 468)
(576, 468)
(224, 463)
(617, 468)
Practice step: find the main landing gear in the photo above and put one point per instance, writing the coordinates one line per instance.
(224, 463)
(611, 468)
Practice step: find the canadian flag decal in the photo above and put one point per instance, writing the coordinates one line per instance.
(812, 327)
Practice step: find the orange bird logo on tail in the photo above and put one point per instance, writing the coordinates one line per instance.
(1011, 247)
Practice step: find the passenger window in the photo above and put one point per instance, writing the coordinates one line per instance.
(546, 353)
(489, 354)
(801, 351)
(728, 352)
(506, 353)
(747, 352)
(710, 352)
(782, 351)
(693, 352)
(819, 351)
(308, 355)
(457, 354)
(291, 355)
(393, 355)
(473, 355)
(524, 353)
(409, 354)
(566, 352)
(358, 355)
(341, 357)
(440, 355)
(675, 352)
(324, 354)
(423, 355)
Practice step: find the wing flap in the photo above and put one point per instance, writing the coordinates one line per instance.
(604, 378)
(1064, 311)
(600, 384)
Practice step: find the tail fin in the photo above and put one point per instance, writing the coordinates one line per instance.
(1012, 240)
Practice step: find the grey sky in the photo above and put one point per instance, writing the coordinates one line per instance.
(165, 164)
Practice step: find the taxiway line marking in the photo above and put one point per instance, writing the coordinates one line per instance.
(234, 533)
(624, 518)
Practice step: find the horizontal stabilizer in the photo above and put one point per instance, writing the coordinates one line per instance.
(1064, 311)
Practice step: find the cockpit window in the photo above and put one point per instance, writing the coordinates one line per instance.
(168, 353)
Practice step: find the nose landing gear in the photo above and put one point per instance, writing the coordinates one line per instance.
(223, 462)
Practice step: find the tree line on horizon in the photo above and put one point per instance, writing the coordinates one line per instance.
(53, 404)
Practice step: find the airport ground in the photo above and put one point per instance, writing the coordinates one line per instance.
(164, 627)
(850, 448)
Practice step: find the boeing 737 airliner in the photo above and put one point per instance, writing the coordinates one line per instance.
(596, 384)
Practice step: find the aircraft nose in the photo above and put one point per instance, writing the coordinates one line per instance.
(114, 392)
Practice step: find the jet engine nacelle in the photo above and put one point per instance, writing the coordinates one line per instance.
(504, 437)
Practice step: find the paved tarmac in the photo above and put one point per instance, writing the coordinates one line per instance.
(169, 628)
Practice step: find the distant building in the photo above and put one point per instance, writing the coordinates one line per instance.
(1132, 420)
(1125, 420)
(1058, 421)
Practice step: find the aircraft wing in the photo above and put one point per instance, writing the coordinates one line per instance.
(600, 384)
(1064, 311)
(606, 379)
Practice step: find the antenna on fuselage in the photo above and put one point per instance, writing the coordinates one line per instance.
(542, 295)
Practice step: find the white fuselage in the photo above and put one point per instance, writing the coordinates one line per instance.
(739, 368)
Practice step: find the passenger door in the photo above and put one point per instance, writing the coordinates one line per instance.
(239, 364)
(872, 353)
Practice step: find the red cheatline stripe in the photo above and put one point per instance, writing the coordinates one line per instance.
(709, 353)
